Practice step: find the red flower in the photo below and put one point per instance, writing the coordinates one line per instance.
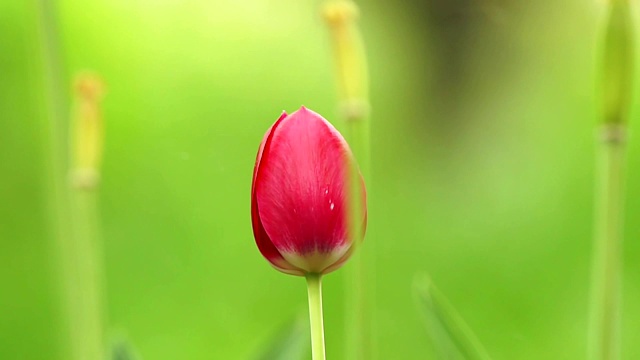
(300, 194)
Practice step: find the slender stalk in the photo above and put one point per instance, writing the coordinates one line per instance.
(314, 289)
(616, 93)
(361, 271)
(55, 128)
(607, 270)
(353, 87)
(83, 253)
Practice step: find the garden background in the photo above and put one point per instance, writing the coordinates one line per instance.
(483, 159)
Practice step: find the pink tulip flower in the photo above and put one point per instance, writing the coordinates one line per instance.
(300, 195)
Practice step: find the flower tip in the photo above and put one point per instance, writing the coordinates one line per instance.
(340, 12)
(88, 85)
(303, 110)
(280, 118)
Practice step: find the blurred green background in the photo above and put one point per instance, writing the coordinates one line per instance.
(483, 161)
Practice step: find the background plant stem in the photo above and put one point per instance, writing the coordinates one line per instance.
(55, 165)
(314, 289)
(85, 257)
(353, 87)
(73, 213)
(607, 270)
(617, 92)
(359, 292)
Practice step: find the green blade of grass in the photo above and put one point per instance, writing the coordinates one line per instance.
(290, 343)
(451, 337)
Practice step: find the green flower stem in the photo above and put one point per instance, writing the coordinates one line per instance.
(607, 270)
(618, 62)
(617, 76)
(358, 134)
(353, 88)
(84, 256)
(54, 129)
(359, 291)
(314, 288)
(73, 213)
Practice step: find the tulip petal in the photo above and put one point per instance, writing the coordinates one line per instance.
(269, 251)
(300, 187)
(337, 264)
(318, 262)
(261, 149)
(347, 254)
(263, 242)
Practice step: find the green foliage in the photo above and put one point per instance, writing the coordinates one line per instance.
(290, 343)
(122, 350)
(450, 335)
(493, 195)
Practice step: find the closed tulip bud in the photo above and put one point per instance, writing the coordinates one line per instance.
(300, 195)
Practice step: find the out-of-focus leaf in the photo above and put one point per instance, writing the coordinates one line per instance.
(290, 343)
(452, 338)
(122, 350)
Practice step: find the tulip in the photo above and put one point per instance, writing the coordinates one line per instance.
(301, 204)
(300, 195)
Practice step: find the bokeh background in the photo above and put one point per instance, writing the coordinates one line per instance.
(483, 161)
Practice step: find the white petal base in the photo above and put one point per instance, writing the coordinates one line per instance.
(316, 262)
